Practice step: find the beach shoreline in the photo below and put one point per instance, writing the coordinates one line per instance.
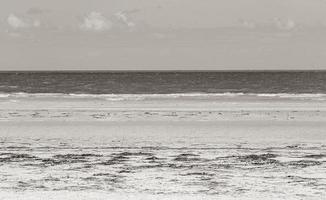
(162, 149)
(169, 109)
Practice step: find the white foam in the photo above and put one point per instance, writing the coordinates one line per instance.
(122, 97)
(4, 95)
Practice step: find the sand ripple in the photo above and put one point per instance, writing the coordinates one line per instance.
(162, 170)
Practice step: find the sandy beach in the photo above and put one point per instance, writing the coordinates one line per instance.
(188, 148)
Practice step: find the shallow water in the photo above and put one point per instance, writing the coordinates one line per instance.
(215, 159)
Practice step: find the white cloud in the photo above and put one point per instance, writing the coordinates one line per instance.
(95, 21)
(122, 17)
(36, 23)
(248, 24)
(288, 24)
(15, 22)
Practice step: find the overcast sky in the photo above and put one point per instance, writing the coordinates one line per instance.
(162, 34)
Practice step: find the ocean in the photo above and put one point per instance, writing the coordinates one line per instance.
(179, 82)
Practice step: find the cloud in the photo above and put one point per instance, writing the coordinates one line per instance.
(95, 21)
(247, 24)
(288, 24)
(123, 17)
(16, 22)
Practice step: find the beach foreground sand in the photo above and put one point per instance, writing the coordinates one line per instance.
(221, 148)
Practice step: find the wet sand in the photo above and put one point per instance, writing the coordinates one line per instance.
(162, 149)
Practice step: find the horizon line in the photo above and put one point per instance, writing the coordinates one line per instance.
(162, 71)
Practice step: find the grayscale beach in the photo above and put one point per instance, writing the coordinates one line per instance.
(190, 147)
(162, 99)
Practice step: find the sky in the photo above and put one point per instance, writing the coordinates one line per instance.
(162, 34)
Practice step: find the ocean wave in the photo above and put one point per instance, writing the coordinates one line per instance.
(122, 97)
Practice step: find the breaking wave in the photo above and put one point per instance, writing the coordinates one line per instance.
(122, 97)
